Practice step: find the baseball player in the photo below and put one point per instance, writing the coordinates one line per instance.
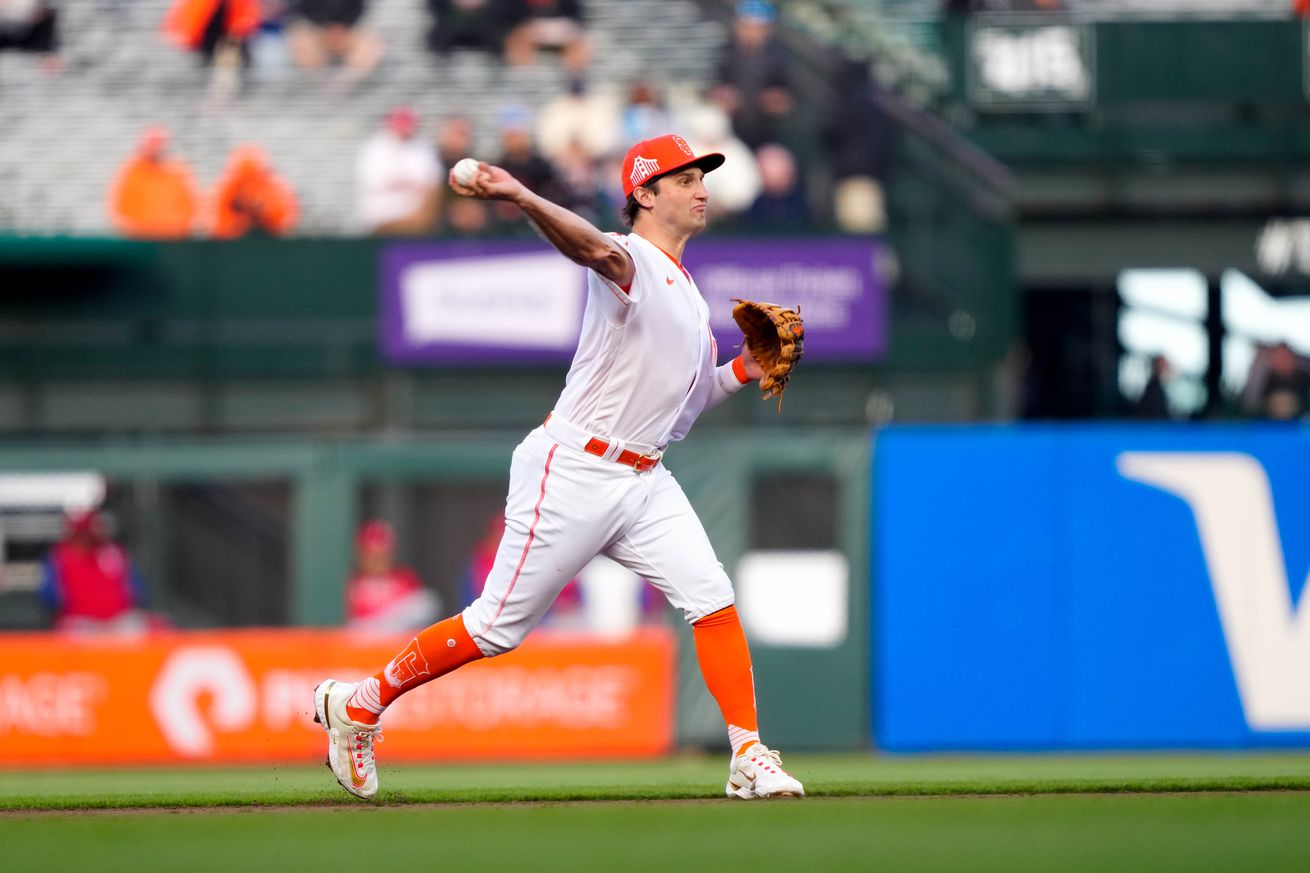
(589, 480)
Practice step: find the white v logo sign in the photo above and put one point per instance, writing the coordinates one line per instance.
(1268, 641)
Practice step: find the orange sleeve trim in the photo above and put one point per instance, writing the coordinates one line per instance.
(739, 370)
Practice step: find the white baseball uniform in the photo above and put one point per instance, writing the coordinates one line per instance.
(645, 368)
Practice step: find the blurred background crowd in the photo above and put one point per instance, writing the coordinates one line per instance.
(356, 107)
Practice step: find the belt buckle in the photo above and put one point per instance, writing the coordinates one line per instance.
(653, 458)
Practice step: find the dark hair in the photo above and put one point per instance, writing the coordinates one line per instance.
(632, 208)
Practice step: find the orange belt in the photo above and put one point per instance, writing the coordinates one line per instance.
(627, 457)
(568, 432)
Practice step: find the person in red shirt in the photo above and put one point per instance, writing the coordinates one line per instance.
(90, 584)
(381, 596)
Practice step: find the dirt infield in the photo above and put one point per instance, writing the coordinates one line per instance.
(353, 806)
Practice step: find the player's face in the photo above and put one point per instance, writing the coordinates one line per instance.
(682, 200)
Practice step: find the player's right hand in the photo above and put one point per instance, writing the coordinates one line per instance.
(753, 370)
(491, 183)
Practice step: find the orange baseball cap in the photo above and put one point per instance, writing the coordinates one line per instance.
(662, 154)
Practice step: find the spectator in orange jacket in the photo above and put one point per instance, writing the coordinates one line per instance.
(208, 26)
(251, 197)
(153, 195)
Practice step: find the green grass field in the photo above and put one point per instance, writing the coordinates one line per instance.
(1111, 813)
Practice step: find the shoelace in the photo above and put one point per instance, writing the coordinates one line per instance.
(363, 751)
(769, 755)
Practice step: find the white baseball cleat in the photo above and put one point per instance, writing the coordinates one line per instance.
(350, 744)
(757, 772)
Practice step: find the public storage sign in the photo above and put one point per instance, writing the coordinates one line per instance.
(245, 696)
(1093, 587)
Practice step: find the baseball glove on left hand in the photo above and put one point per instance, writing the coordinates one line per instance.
(775, 337)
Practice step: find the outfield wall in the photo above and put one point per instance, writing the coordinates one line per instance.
(1028, 588)
(244, 696)
(758, 493)
(1091, 587)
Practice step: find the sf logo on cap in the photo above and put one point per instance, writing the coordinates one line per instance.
(682, 144)
(643, 168)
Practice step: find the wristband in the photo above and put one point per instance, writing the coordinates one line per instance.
(739, 370)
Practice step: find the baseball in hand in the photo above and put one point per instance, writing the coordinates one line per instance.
(466, 170)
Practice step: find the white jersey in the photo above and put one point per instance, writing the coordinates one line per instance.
(646, 364)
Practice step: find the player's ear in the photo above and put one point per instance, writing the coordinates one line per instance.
(644, 196)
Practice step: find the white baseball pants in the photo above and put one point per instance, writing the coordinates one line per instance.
(565, 507)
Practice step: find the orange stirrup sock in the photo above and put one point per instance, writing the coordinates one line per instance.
(725, 662)
(437, 650)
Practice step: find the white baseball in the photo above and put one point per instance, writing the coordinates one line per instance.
(466, 170)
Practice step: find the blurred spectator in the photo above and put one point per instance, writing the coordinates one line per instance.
(216, 29)
(478, 25)
(781, 202)
(31, 26)
(90, 584)
(270, 56)
(154, 196)
(467, 217)
(753, 83)
(855, 135)
(324, 32)
(609, 197)
(579, 174)
(555, 25)
(581, 118)
(1278, 385)
(463, 216)
(454, 140)
(381, 596)
(1154, 402)
(399, 178)
(251, 197)
(734, 186)
(520, 158)
(859, 205)
(644, 115)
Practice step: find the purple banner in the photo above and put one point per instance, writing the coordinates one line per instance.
(491, 302)
(836, 282)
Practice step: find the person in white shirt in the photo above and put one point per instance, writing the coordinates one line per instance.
(398, 179)
(590, 481)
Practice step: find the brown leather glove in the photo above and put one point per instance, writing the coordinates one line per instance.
(775, 337)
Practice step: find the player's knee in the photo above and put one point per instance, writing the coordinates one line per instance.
(493, 638)
(493, 644)
(702, 597)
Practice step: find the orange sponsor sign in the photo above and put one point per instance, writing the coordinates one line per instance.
(246, 696)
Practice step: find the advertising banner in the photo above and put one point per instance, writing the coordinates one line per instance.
(497, 302)
(1091, 587)
(246, 696)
